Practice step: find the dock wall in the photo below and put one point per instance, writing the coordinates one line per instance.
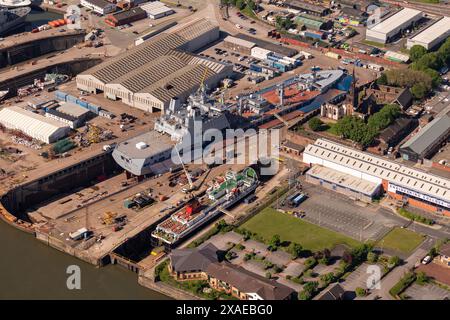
(27, 50)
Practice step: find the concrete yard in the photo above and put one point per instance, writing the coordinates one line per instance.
(426, 292)
(339, 213)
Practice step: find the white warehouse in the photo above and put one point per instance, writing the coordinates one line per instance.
(431, 36)
(156, 9)
(34, 125)
(387, 29)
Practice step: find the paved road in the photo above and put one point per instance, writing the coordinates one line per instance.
(395, 275)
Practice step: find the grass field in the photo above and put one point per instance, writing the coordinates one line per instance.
(269, 222)
(401, 240)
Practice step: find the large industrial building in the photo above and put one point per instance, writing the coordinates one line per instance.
(163, 67)
(431, 36)
(387, 29)
(33, 125)
(406, 184)
(428, 140)
(138, 154)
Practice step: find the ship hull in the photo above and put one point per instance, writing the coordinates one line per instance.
(16, 23)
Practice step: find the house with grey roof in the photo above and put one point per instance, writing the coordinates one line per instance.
(191, 264)
(333, 292)
(204, 263)
(428, 140)
(245, 285)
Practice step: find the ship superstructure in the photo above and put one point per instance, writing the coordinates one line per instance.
(225, 192)
(179, 121)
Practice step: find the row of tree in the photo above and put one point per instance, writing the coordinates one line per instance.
(240, 4)
(355, 129)
(423, 74)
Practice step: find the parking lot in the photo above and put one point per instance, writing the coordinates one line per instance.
(336, 212)
(426, 292)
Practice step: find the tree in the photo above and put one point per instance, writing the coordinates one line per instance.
(274, 243)
(419, 90)
(295, 250)
(304, 295)
(268, 275)
(315, 124)
(394, 261)
(360, 292)
(384, 117)
(324, 260)
(309, 263)
(240, 4)
(422, 278)
(416, 52)
(382, 80)
(431, 60)
(251, 4)
(372, 257)
(327, 278)
(311, 287)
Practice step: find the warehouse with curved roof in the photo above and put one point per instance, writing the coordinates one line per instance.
(32, 124)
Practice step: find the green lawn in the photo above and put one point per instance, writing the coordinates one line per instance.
(373, 43)
(401, 240)
(249, 12)
(269, 222)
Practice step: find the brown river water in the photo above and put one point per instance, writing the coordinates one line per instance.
(31, 270)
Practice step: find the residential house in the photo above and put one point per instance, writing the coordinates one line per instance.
(444, 255)
(191, 264)
(244, 284)
(396, 132)
(333, 292)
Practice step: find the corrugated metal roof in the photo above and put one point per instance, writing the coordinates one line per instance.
(396, 20)
(344, 180)
(430, 133)
(154, 70)
(155, 8)
(381, 168)
(135, 58)
(239, 42)
(179, 82)
(194, 28)
(436, 30)
(32, 124)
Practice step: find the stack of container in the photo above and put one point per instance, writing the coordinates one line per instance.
(62, 96)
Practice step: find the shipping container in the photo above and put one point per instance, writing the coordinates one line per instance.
(280, 66)
(313, 35)
(255, 67)
(333, 55)
(82, 103)
(94, 108)
(62, 96)
(299, 199)
(70, 98)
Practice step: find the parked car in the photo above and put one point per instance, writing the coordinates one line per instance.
(427, 260)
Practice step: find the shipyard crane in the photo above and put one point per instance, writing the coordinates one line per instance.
(188, 176)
